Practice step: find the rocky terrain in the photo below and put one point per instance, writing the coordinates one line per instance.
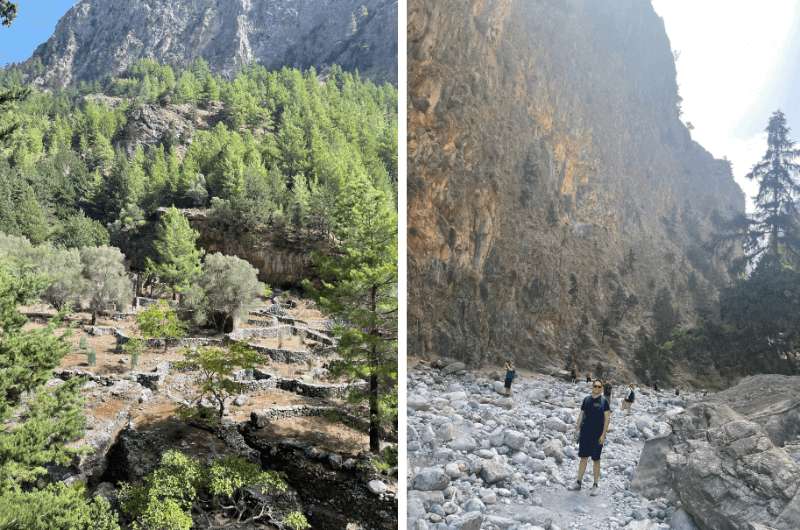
(552, 185)
(479, 460)
(292, 415)
(99, 38)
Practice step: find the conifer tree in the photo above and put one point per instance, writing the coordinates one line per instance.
(359, 287)
(37, 422)
(664, 316)
(773, 230)
(177, 262)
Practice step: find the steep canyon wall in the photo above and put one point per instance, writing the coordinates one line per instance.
(552, 184)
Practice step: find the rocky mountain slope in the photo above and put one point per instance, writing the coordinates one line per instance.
(553, 189)
(97, 38)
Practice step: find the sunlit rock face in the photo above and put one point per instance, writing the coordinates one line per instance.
(97, 38)
(545, 151)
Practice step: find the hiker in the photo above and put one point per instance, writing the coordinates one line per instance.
(655, 386)
(677, 392)
(627, 403)
(574, 375)
(590, 433)
(607, 390)
(510, 375)
(588, 378)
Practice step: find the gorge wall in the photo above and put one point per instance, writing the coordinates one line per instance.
(552, 184)
(99, 38)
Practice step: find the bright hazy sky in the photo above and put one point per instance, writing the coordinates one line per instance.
(737, 64)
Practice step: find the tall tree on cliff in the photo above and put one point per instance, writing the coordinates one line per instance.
(773, 230)
(359, 287)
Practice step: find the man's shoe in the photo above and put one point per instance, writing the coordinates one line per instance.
(595, 491)
(575, 486)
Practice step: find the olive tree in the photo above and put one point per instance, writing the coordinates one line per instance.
(106, 279)
(227, 286)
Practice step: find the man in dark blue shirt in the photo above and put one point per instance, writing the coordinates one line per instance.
(591, 433)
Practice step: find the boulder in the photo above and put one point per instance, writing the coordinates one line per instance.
(430, 479)
(725, 459)
(494, 471)
(453, 368)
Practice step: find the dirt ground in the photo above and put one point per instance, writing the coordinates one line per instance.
(160, 411)
(322, 432)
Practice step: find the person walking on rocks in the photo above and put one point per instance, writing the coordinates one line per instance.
(588, 378)
(573, 375)
(590, 433)
(607, 387)
(627, 403)
(511, 373)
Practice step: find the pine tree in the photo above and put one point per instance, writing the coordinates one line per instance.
(774, 228)
(359, 287)
(665, 319)
(37, 422)
(177, 261)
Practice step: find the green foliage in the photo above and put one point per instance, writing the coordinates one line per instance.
(107, 281)
(37, 422)
(79, 231)
(215, 367)
(286, 143)
(665, 318)
(83, 343)
(55, 507)
(653, 361)
(296, 521)
(160, 321)
(359, 287)
(230, 474)
(774, 227)
(177, 260)
(227, 286)
(8, 12)
(91, 358)
(165, 499)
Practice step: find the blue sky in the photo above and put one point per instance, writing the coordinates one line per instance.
(35, 22)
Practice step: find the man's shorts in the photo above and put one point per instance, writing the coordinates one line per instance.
(589, 446)
(508, 383)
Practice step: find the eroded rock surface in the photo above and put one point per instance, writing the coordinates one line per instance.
(732, 459)
(550, 175)
(227, 33)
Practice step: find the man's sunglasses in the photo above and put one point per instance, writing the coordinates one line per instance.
(598, 386)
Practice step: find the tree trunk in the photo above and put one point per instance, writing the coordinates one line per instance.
(94, 317)
(374, 417)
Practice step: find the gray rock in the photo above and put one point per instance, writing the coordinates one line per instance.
(514, 440)
(376, 486)
(228, 35)
(430, 479)
(453, 368)
(474, 505)
(493, 471)
(720, 460)
(468, 521)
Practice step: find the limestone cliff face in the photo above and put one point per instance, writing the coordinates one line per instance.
(549, 173)
(101, 37)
